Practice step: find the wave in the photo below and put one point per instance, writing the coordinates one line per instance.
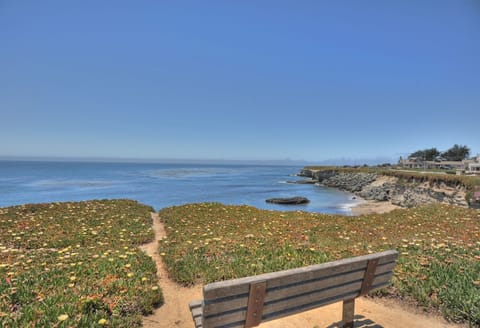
(347, 206)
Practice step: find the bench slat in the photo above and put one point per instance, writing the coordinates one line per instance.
(241, 286)
(196, 308)
(195, 304)
(196, 312)
(324, 283)
(318, 296)
(276, 293)
(298, 303)
(198, 322)
(293, 291)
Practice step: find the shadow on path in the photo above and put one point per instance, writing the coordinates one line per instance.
(359, 322)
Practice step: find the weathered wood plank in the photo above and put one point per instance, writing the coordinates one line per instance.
(306, 307)
(293, 291)
(241, 286)
(330, 282)
(297, 304)
(318, 295)
(369, 275)
(276, 293)
(321, 302)
(255, 304)
(195, 304)
(237, 316)
(197, 312)
(348, 313)
(198, 322)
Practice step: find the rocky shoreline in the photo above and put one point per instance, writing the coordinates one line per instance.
(372, 186)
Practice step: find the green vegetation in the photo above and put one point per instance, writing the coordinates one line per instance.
(455, 153)
(439, 265)
(76, 265)
(426, 154)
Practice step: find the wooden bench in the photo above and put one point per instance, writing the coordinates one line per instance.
(245, 302)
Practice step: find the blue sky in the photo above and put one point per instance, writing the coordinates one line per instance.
(310, 80)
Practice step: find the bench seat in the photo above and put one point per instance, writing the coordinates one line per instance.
(245, 302)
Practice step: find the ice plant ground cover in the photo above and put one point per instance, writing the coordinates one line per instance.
(439, 265)
(76, 265)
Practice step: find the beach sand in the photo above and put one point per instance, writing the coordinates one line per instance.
(372, 206)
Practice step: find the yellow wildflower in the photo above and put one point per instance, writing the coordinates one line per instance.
(62, 317)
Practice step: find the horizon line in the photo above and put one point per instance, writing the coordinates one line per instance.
(140, 159)
(286, 161)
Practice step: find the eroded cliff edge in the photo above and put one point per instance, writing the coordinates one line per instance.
(401, 191)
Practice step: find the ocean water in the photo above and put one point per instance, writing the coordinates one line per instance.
(163, 185)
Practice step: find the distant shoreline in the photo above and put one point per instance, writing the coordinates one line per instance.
(383, 191)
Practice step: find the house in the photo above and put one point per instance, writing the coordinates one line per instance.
(468, 166)
(446, 165)
(473, 168)
(411, 163)
(418, 163)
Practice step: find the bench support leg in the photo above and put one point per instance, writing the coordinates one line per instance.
(348, 313)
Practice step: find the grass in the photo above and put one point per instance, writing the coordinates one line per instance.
(76, 265)
(439, 265)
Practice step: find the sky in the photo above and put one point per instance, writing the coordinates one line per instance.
(238, 80)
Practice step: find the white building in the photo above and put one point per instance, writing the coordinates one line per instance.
(467, 166)
(473, 167)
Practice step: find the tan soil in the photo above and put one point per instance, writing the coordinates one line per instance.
(382, 179)
(174, 312)
(369, 313)
(372, 206)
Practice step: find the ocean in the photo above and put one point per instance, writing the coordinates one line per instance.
(163, 185)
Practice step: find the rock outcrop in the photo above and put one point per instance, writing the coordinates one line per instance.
(302, 181)
(289, 201)
(385, 188)
(353, 182)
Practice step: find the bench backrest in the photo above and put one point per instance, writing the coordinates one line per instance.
(245, 302)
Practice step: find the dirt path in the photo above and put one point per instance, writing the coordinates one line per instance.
(174, 312)
(368, 313)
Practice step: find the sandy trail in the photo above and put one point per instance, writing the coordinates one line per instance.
(368, 313)
(174, 312)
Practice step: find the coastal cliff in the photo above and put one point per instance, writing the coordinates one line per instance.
(404, 192)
